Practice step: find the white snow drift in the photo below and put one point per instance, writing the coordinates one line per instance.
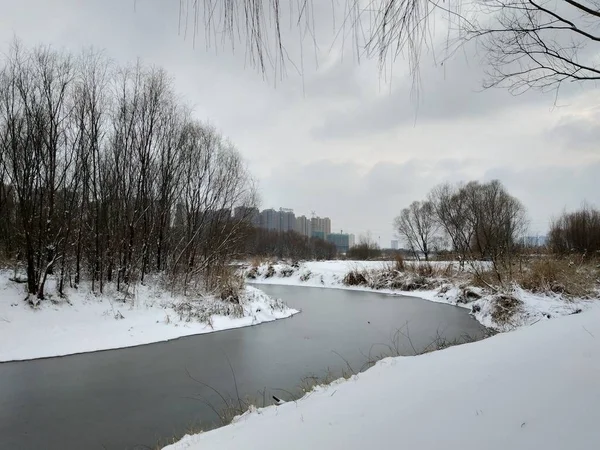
(534, 388)
(84, 322)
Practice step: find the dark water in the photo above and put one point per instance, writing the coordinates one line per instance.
(132, 398)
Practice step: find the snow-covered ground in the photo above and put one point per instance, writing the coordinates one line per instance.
(530, 307)
(87, 322)
(534, 388)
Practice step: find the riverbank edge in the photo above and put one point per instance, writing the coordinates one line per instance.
(83, 323)
(501, 311)
(296, 311)
(517, 347)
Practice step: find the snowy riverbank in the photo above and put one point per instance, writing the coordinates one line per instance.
(84, 322)
(526, 307)
(536, 387)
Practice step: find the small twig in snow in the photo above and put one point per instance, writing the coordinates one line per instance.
(588, 332)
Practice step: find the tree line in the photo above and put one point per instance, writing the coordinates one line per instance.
(482, 221)
(105, 175)
(576, 232)
(288, 245)
(479, 221)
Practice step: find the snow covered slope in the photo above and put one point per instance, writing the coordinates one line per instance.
(534, 388)
(88, 323)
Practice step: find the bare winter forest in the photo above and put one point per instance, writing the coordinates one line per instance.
(105, 175)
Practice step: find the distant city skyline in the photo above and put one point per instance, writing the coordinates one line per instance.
(285, 220)
(334, 226)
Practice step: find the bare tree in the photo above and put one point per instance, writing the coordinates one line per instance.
(366, 248)
(576, 232)
(216, 181)
(104, 176)
(537, 44)
(37, 154)
(417, 225)
(527, 43)
(450, 206)
(482, 220)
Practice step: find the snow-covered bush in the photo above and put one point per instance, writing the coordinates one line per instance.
(203, 310)
(304, 277)
(505, 306)
(286, 271)
(270, 271)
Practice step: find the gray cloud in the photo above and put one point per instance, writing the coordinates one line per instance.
(451, 91)
(548, 190)
(579, 131)
(337, 140)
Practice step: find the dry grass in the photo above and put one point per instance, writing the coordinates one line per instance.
(388, 277)
(257, 261)
(430, 270)
(484, 279)
(549, 275)
(225, 301)
(231, 288)
(505, 308)
(424, 269)
(399, 263)
(310, 382)
(355, 278)
(401, 276)
(203, 310)
(561, 276)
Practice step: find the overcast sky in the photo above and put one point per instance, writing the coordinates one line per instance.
(341, 140)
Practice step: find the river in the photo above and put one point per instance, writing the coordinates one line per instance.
(135, 397)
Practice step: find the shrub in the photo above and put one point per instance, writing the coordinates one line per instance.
(231, 288)
(355, 278)
(399, 263)
(305, 276)
(252, 273)
(270, 271)
(559, 276)
(287, 272)
(257, 261)
(202, 310)
(577, 232)
(505, 307)
(541, 275)
(425, 269)
(364, 251)
(468, 295)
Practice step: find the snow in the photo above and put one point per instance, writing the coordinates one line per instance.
(318, 273)
(89, 323)
(536, 387)
(533, 307)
